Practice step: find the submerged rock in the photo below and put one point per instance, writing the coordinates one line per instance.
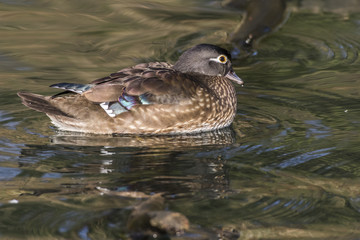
(170, 222)
(151, 216)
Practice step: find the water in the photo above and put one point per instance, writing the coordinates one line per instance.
(288, 168)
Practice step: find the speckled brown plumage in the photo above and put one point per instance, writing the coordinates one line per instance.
(149, 98)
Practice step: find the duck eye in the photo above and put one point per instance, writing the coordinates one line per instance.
(222, 59)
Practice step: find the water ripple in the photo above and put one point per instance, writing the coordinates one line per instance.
(305, 157)
(7, 173)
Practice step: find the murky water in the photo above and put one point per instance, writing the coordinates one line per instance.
(288, 168)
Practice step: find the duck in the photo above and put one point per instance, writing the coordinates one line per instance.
(191, 96)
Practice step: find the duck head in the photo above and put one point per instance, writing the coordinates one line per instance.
(209, 60)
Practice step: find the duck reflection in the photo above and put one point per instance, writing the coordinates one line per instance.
(175, 165)
(174, 173)
(219, 137)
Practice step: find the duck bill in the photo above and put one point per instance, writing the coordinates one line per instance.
(232, 76)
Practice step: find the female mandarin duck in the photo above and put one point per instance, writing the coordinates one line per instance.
(194, 95)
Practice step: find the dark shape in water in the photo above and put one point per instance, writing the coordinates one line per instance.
(150, 215)
(262, 17)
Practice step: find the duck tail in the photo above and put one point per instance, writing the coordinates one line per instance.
(39, 103)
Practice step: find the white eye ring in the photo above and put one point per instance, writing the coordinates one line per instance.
(220, 59)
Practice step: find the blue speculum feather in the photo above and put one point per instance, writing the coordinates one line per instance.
(144, 99)
(74, 87)
(128, 101)
(124, 104)
(117, 108)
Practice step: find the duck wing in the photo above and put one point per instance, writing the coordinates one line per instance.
(149, 83)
